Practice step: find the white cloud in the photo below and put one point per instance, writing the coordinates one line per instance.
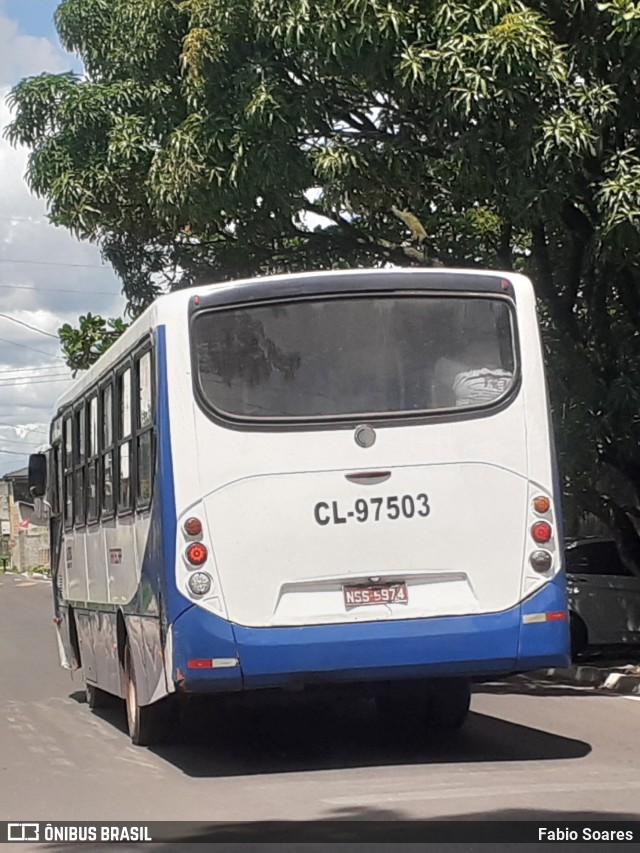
(38, 263)
(24, 55)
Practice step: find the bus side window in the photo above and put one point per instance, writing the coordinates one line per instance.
(144, 431)
(80, 451)
(106, 445)
(92, 461)
(124, 441)
(56, 474)
(68, 472)
(54, 490)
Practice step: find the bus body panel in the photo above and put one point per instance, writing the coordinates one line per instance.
(291, 569)
(477, 645)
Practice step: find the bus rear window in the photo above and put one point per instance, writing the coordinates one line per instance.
(347, 357)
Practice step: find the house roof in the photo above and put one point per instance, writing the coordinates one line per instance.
(18, 474)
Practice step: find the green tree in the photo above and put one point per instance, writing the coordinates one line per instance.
(93, 337)
(468, 133)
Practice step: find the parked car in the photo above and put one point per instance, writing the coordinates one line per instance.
(604, 595)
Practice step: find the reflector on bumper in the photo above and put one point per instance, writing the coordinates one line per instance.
(552, 616)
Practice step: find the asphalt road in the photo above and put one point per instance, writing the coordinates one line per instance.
(529, 751)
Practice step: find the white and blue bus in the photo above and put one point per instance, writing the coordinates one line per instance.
(308, 480)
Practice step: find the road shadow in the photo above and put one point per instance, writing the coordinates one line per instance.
(223, 739)
(610, 656)
(342, 827)
(112, 710)
(533, 686)
(78, 696)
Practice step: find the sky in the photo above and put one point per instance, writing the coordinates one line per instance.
(47, 277)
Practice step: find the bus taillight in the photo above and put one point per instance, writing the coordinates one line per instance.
(541, 531)
(193, 527)
(197, 553)
(541, 561)
(199, 583)
(541, 504)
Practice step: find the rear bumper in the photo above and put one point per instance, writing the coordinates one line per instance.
(475, 645)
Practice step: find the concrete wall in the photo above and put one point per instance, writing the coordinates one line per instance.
(22, 548)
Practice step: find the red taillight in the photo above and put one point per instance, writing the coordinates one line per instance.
(197, 554)
(193, 527)
(556, 615)
(541, 531)
(200, 663)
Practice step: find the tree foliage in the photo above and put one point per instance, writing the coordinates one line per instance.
(206, 132)
(92, 338)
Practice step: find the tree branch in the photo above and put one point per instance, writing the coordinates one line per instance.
(561, 313)
(505, 253)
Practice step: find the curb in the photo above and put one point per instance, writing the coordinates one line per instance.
(32, 576)
(614, 681)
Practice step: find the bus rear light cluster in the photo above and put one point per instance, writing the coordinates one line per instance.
(199, 583)
(541, 561)
(197, 553)
(541, 532)
(193, 527)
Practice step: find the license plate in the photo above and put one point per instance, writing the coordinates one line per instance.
(388, 593)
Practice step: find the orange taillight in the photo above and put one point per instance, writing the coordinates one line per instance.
(193, 527)
(541, 504)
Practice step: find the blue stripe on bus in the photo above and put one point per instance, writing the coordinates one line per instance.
(471, 645)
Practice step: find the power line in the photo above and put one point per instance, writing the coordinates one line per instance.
(21, 443)
(33, 349)
(23, 219)
(58, 374)
(28, 326)
(55, 264)
(14, 453)
(57, 369)
(18, 426)
(26, 380)
(37, 382)
(59, 290)
(31, 367)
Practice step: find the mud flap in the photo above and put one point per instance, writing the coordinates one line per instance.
(64, 659)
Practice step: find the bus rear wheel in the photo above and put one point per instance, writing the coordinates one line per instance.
(147, 724)
(449, 702)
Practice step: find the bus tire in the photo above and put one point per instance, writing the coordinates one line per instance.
(578, 634)
(147, 724)
(392, 708)
(449, 703)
